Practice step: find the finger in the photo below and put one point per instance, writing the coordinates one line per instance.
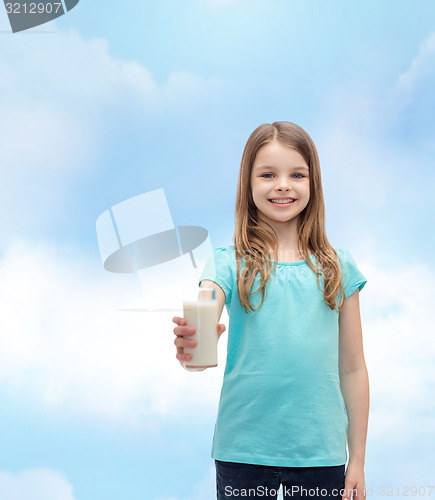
(181, 331)
(347, 492)
(180, 352)
(183, 357)
(179, 321)
(221, 329)
(183, 342)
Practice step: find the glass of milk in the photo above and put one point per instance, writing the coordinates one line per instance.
(200, 311)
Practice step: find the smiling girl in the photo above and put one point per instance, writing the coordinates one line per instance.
(295, 392)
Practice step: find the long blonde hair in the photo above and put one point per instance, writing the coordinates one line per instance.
(252, 241)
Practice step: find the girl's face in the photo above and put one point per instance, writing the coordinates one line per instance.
(279, 172)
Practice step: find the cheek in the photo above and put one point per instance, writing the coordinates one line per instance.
(256, 190)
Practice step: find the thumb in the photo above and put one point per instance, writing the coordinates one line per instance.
(221, 329)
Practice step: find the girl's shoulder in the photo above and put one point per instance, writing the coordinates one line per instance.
(352, 276)
(341, 251)
(345, 256)
(224, 256)
(228, 250)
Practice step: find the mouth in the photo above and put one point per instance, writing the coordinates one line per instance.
(282, 203)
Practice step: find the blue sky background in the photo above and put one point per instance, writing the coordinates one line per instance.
(108, 103)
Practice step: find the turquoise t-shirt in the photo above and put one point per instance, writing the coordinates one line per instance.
(281, 402)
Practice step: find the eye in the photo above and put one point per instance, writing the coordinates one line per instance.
(264, 175)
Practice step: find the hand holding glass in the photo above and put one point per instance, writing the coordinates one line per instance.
(200, 312)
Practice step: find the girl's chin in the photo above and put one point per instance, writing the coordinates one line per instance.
(273, 218)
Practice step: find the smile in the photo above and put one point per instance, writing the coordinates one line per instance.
(283, 203)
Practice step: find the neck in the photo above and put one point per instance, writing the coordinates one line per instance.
(289, 249)
(287, 234)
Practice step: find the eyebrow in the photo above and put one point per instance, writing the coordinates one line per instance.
(270, 167)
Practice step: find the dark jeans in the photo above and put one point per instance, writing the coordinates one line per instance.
(236, 480)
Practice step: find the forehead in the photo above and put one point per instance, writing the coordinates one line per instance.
(274, 154)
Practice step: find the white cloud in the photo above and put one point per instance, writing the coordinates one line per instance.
(63, 341)
(398, 338)
(397, 314)
(397, 319)
(349, 166)
(64, 98)
(409, 105)
(80, 82)
(35, 484)
(421, 69)
(205, 488)
(372, 144)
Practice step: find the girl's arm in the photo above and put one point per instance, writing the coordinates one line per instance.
(354, 383)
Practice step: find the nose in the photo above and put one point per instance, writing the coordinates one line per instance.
(283, 186)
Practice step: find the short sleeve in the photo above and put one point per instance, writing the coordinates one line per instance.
(352, 276)
(219, 268)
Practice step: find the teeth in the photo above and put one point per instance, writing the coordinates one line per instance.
(283, 201)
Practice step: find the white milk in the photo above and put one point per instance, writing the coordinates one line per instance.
(202, 315)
